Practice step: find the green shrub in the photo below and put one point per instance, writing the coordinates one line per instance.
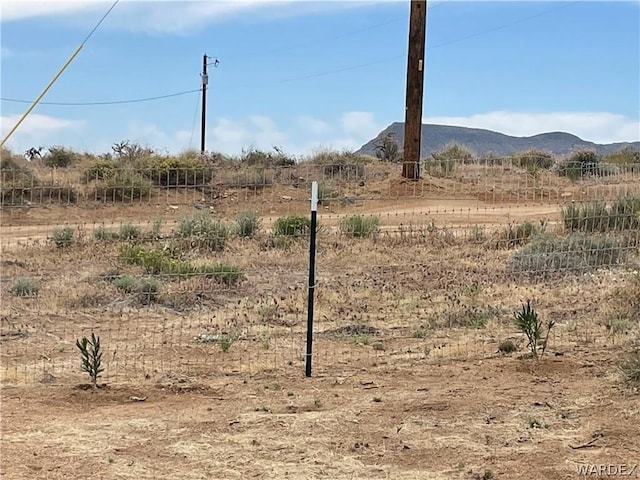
(580, 164)
(223, 273)
(343, 165)
(62, 237)
(359, 225)
(101, 234)
(577, 252)
(277, 158)
(175, 172)
(625, 156)
(247, 224)
(623, 214)
(16, 181)
(529, 323)
(204, 231)
(507, 346)
(517, 235)
(533, 160)
(126, 283)
(100, 170)
(129, 232)
(630, 367)
(59, 157)
(25, 287)
(149, 288)
(124, 185)
(387, 149)
(325, 193)
(444, 161)
(292, 225)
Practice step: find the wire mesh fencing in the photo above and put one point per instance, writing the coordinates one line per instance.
(204, 271)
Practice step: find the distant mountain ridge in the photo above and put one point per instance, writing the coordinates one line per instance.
(483, 142)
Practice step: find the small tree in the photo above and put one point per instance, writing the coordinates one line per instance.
(387, 149)
(531, 325)
(91, 358)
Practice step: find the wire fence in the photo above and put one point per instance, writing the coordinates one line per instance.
(192, 271)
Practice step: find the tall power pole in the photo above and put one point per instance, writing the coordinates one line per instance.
(205, 82)
(415, 89)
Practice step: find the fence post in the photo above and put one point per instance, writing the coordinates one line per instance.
(312, 275)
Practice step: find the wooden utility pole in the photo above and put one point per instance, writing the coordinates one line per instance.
(205, 82)
(415, 88)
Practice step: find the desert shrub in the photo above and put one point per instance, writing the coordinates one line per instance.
(387, 149)
(580, 164)
(130, 152)
(126, 283)
(630, 367)
(204, 231)
(529, 323)
(345, 165)
(62, 237)
(247, 224)
(277, 158)
(124, 185)
(16, 181)
(516, 235)
(222, 273)
(292, 225)
(444, 161)
(577, 252)
(59, 157)
(154, 261)
(101, 234)
(25, 287)
(254, 177)
(359, 225)
(625, 156)
(129, 231)
(533, 160)
(100, 170)
(623, 214)
(180, 171)
(507, 346)
(325, 193)
(148, 289)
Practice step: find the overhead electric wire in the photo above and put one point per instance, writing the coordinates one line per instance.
(110, 102)
(302, 77)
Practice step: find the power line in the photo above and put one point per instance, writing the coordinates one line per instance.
(112, 102)
(311, 75)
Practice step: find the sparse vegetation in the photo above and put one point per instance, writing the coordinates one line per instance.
(359, 226)
(444, 161)
(507, 346)
(129, 231)
(25, 287)
(204, 231)
(630, 367)
(292, 225)
(176, 171)
(248, 224)
(91, 358)
(537, 333)
(124, 185)
(63, 237)
(59, 157)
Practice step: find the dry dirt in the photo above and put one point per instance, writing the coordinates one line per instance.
(409, 409)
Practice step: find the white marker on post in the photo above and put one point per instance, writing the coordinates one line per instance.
(314, 196)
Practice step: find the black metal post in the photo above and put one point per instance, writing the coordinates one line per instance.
(312, 275)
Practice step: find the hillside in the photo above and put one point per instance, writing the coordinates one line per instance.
(483, 142)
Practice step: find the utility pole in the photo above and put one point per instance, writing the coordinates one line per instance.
(415, 89)
(205, 81)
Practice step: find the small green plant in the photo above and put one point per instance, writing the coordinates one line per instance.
(123, 185)
(378, 346)
(487, 475)
(59, 157)
(91, 358)
(204, 231)
(247, 224)
(126, 283)
(101, 234)
(630, 367)
(359, 226)
(156, 227)
(528, 322)
(100, 170)
(25, 287)
(507, 346)
(129, 231)
(533, 422)
(62, 237)
(222, 272)
(292, 225)
(225, 342)
(325, 193)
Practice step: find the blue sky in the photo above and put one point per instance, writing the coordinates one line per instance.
(304, 75)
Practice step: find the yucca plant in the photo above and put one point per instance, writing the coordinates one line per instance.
(91, 357)
(532, 326)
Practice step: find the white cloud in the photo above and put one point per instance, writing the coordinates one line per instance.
(171, 16)
(37, 130)
(598, 127)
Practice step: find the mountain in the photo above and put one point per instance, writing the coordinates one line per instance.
(483, 142)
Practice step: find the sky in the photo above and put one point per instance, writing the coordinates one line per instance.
(305, 76)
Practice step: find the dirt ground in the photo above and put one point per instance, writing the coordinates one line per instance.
(419, 398)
